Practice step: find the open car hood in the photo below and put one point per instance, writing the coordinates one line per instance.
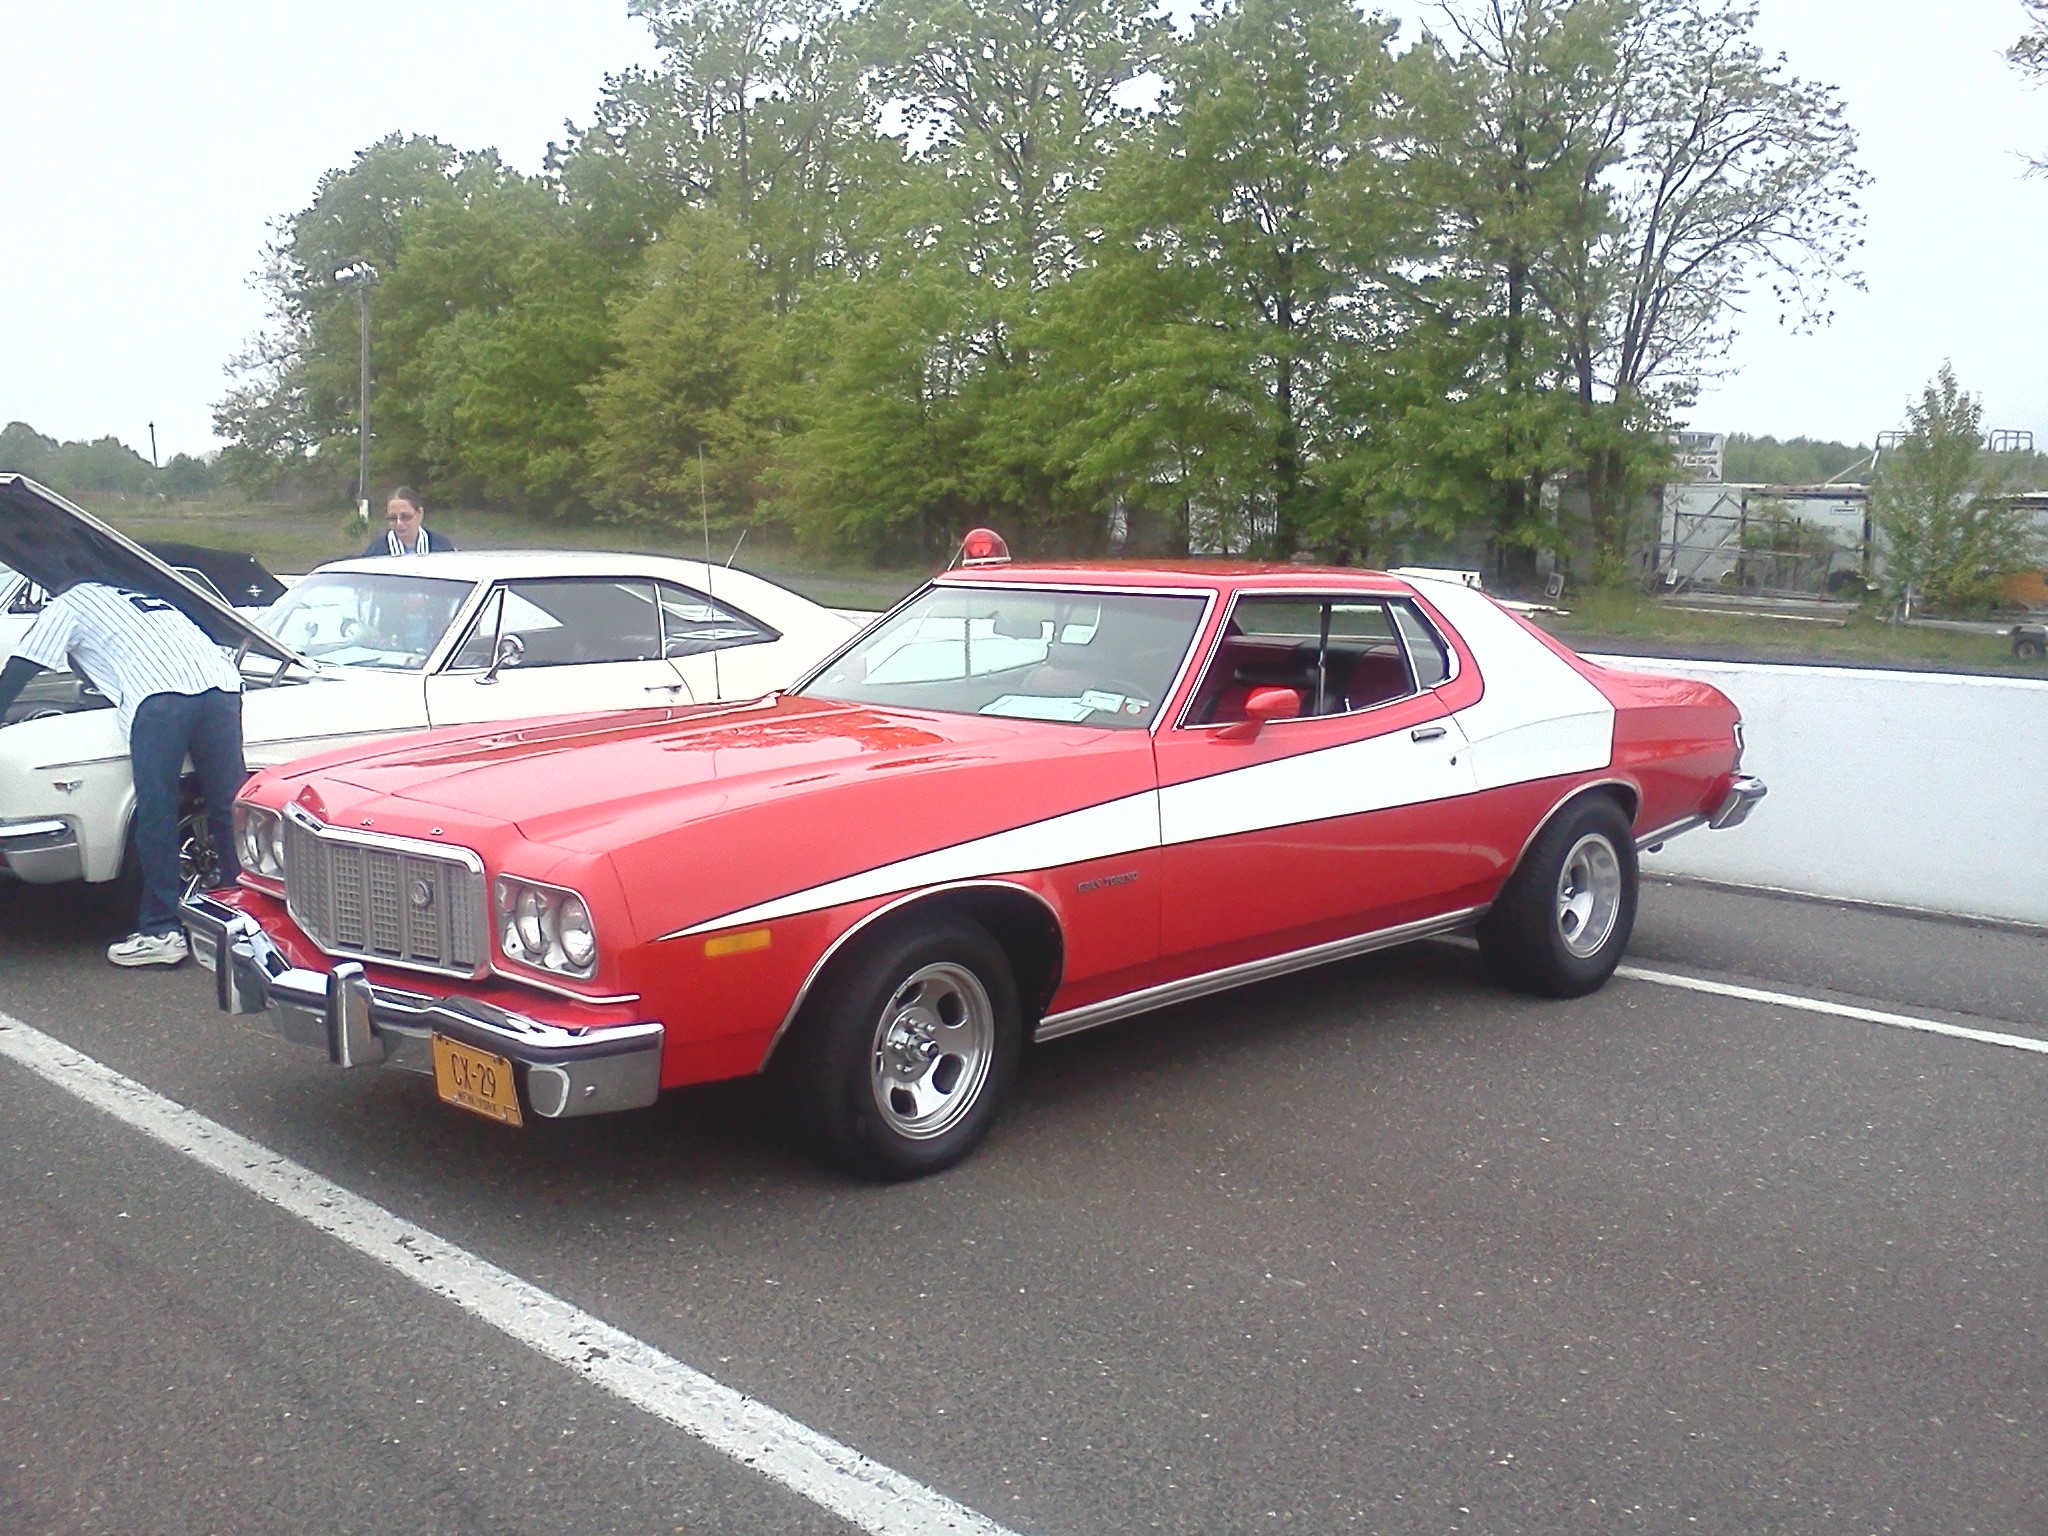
(54, 544)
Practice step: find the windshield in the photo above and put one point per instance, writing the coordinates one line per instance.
(356, 619)
(1031, 654)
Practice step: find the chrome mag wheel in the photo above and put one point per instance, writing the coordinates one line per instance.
(933, 1047)
(1589, 891)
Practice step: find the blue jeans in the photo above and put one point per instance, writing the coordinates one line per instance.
(169, 727)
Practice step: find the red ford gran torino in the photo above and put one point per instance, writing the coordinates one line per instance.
(1028, 801)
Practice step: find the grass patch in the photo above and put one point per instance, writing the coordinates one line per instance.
(1625, 621)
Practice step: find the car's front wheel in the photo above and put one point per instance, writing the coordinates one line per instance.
(1563, 919)
(903, 1056)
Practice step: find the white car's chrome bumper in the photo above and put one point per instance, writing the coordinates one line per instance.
(44, 851)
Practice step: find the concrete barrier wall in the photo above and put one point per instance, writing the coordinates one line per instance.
(1913, 788)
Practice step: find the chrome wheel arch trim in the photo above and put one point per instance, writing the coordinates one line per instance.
(1579, 792)
(1130, 1004)
(888, 908)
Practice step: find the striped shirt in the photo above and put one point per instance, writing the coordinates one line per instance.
(128, 645)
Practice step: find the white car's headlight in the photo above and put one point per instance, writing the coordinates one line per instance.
(259, 840)
(545, 926)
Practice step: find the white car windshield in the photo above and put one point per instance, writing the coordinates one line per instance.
(1030, 653)
(359, 619)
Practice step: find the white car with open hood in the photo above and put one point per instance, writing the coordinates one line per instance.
(368, 648)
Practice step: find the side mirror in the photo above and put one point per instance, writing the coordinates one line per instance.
(1264, 704)
(511, 651)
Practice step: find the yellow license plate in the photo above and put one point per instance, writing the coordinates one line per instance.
(476, 1080)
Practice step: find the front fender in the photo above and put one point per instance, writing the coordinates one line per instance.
(72, 768)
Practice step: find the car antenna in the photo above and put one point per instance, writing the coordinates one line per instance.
(704, 514)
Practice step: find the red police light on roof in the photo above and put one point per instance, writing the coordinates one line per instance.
(984, 546)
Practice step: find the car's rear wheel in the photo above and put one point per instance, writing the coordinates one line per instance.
(1563, 920)
(904, 1054)
(2029, 647)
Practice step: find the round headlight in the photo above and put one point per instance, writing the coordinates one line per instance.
(572, 927)
(250, 846)
(274, 826)
(529, 920)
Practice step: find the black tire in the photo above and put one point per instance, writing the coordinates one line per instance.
(1562, 922)
(868, 1068)
(2029, 647)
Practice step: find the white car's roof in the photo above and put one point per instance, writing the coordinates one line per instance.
(759, 595)
(496, 564)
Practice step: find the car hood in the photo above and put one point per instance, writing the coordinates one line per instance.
(576, 781)
(54, 544)
(709, 810)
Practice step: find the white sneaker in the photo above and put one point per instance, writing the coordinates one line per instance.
(148, 949)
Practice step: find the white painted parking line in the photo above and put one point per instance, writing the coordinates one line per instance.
(1835, 1010)
(833, 1476)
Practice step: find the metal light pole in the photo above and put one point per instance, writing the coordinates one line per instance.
(362, 277)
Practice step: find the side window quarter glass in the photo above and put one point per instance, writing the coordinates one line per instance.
(692, 624)
(1426, 651)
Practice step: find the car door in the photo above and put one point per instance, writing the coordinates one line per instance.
(1338, 821)
(557, 645)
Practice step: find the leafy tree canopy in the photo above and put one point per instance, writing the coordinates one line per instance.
(883, 268)
(1951, 534)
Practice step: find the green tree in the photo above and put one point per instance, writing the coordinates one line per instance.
(1723, 174)
(291, 415)
(1019, 103)
(2030, 54)
(755, 112)
(1514, 108)
(490, 325)
(1795, 461)
(1238, 277)
(691, 341)
(879, 427)
(1950, 536)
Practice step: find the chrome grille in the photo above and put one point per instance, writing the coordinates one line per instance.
(376, 899)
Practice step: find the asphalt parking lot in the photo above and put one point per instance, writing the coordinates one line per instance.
(1376, 1248)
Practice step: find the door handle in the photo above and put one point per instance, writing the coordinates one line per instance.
(663, 688)
(1427, 733)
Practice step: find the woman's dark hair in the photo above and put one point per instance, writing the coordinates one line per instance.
(411, 497)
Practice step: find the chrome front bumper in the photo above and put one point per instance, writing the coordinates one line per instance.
(1740, 800)
(41, 852)
(561, 1072)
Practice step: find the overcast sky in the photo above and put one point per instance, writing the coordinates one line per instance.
(151, 142)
